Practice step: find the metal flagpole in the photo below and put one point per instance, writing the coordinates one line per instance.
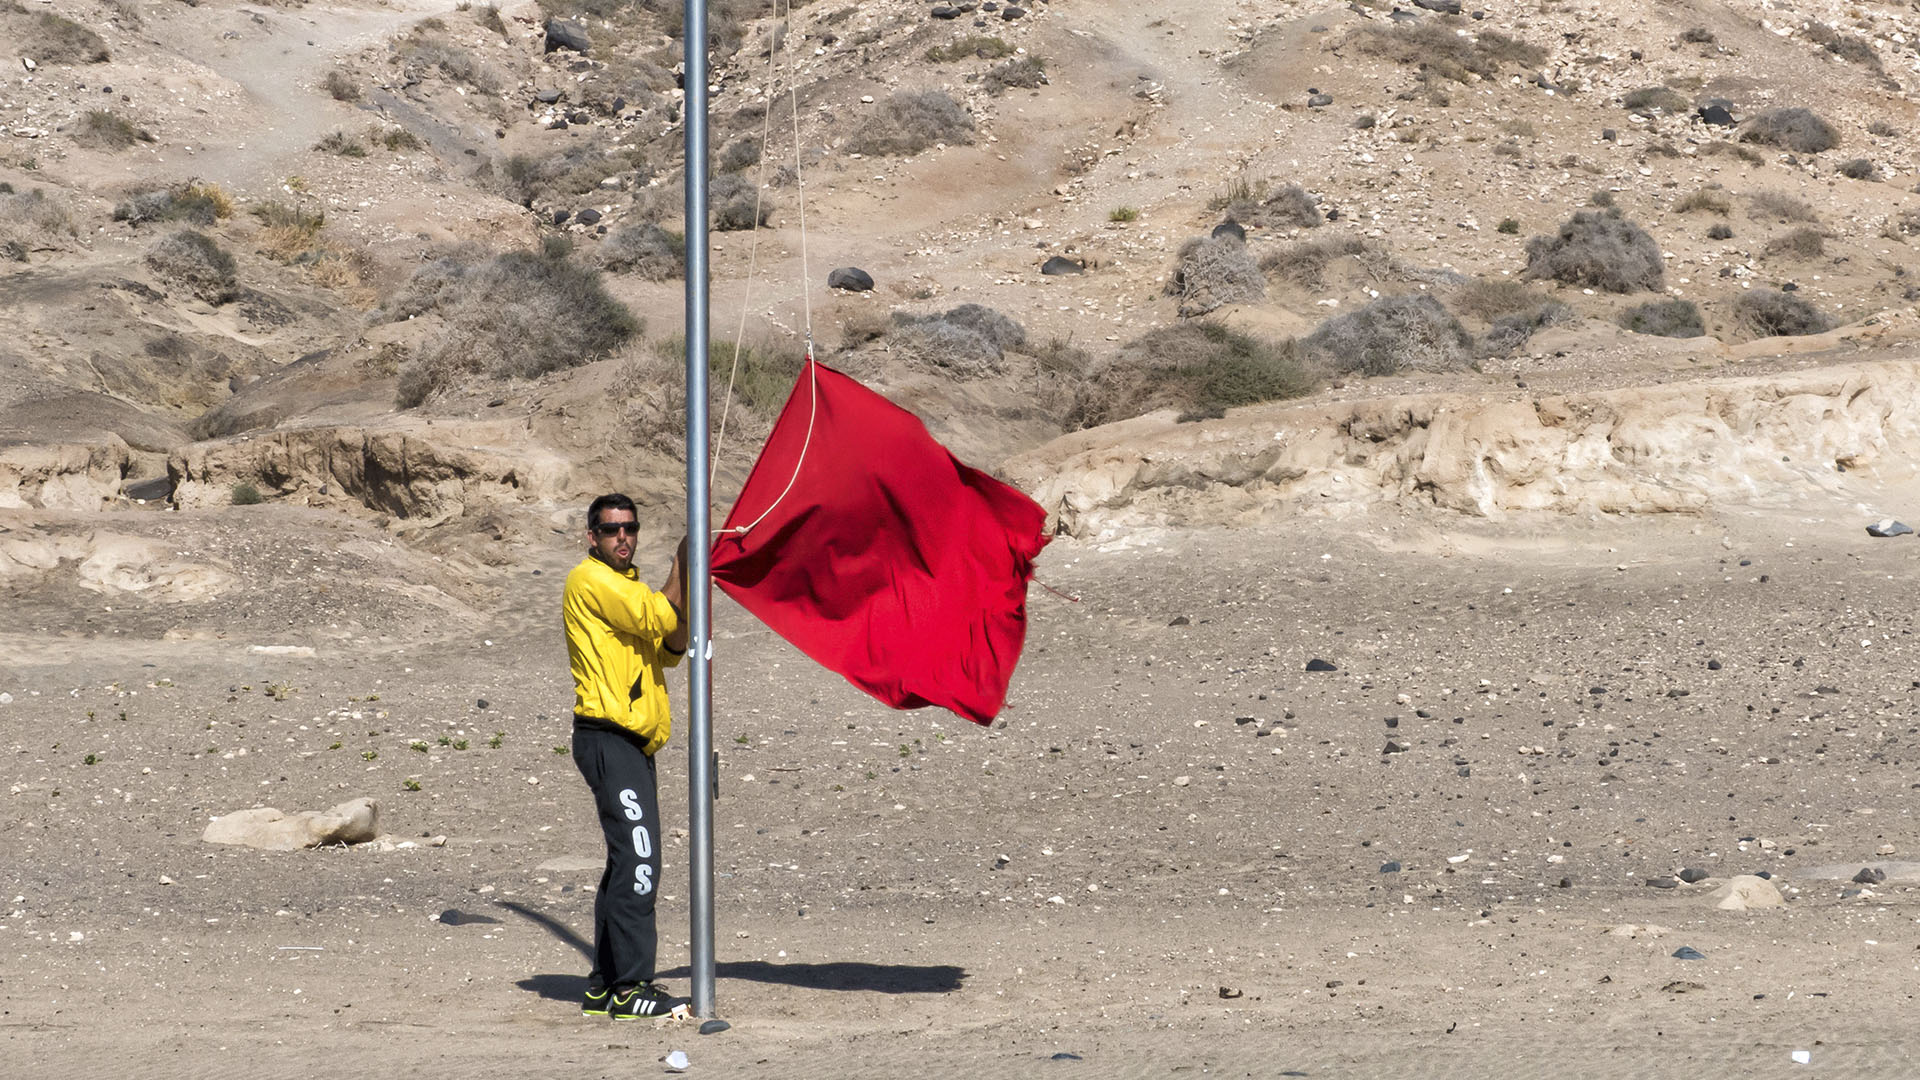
(699, 541)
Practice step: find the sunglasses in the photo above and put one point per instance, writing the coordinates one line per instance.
(615, 528)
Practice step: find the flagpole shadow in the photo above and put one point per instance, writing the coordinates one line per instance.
(832, 976)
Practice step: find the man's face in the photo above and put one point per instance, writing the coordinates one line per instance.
(613, 537)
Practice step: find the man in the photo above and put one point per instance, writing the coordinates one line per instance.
(621, 636)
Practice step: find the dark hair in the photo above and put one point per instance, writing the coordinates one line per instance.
(613, 501)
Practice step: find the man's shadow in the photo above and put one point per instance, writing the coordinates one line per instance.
(838, 975)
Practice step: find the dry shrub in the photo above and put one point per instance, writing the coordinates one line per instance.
(49, 38)
(517, 315)
(1026, 73)
(1715, 149)
(1883, 129)
(196, 204)
(1510, 332)
(1488, 299)
(191, 258)
(1200, 368)
(1805, 242)
(1598, 249)
(1656, 99)
(104, 131)
(1304, 265)
(488, 16)
(287, 231)
(1720, 231)
(911, 121)
(1795, 129)
(340, 86)
(1388, 335)
(573, 170)
(983, 46)
(342, 144)
(1903, 224)
(1778, 206)
(29, 222)
(1845, 46)
(742, 153)
(396, 139)
(424, 48)
(1442, 53)
(646, 250)
(1664, 318)
(1698, 35)
(736, 203)
(1772, 313)
(1857, 169)
(1290, 206)
(1712, 199)
(969, 340)
(1214, 271)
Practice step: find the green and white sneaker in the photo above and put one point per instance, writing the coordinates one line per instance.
(595, 1001)
(648, 1001)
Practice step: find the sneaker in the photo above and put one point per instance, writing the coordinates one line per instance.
(595, 1001)
(648, 1000)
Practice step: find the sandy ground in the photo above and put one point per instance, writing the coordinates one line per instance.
(1167, 858)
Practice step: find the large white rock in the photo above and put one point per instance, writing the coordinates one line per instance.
(1744, 892)
(264, 827)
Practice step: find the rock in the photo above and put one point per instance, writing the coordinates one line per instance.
(1393, 722)
(1713, 665)
(1688, 952)
(1715, 116)
(1608, 134)
(1664, 882)
(1228, 993)
(548, 97)
(1013, 13)
(1402, 15)
(850, 278)
(1060, 264)
(1319, 101)
(561, 217)
(944, 12)
(1444, 7)
(1747, 892)
(6, 699)
(1389, 867)
(1231, 228)
(563, 34)
(589, 216)
(1317, 664)
(1889, 527)
(456, 917)
(1180, 620)
(1870, 875)
(354, 822)
(1395, 746)
(480, 703)
(1693, 874)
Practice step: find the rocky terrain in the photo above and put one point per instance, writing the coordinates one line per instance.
(1462, 650)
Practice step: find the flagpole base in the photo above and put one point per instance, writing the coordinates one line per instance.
(714, 1027)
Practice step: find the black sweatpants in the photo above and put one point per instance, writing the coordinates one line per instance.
(626, 794)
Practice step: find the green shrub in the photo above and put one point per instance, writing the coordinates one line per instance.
(191, 258)
(911, 121)
(1123, 214)
(196, 204)
(983, 46)
(1509, 226)
(645, 249)
(1656, 99)
(1771, 313)
(1664, 318)
(1597, 249)
(1214, 271)
(1388, 335)
(760, 377)
(517, 315)
(245, 494)
(969, 340)
(1201, 368)
(105, 131)
(742, 153)
(396, 139)
(1026, 73)
(1795, 129)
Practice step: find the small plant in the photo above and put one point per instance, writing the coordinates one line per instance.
(1602, 198)
(739, 154)
(1664, 318)
(1772, 313)
(333, 746)
(396, 139)
(245, 494)
(1778, 206)
(1857, 169)
(911, 121)
(1698, 35)
(1720, 231)
(278, 691)
(737, 203)
(1710, 199)
(105, 131)
(494, 740)
(1509, 226)
(1489, 298)
(981, 46)
(1598, 249)
(340, 86)
(1026, 73)
(90, 759)
(343, 144)
(1805, 242)
(459, 744)
(1795, 129)
(969, 340)
(1214, 271)
(1305, 264)
(1389, 335)
(1715, 149)
(1199, 368)
(369, 755)
(1656, 99)
(49, 38)
(1289, 206)
(1123, 214)
(560, 750)
(1883, 129)
(488, 16)
(417, 746)
(445, 740)
(410, 784)
(646, 250)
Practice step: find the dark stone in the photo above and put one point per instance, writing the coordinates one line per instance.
(1401, 15)
(1395, 746)
(990, 6)
(1013, 13)
(557, 125)
(1716, 116)
(560, 216)
(619, 103)
(482, 702)
(1180, 620)
(1596, 690)
(1763, 875)
(1444, 7)
(456, 917)
(1826, 689)
(1060, 264)
(1319, 101)
(1870, 875)
(1789, 287)
(1390, 868)
(1231, 228)
(1463, 771)
(1688, 952)
(1068, 1056)
(1678, 693)
(1693, 874)
(579, 116)
(850, 278)
(588, 216)
(715, 1027)
(548, 97)
(562, 34)
(1889, 527)
(1713, 665)
(1664, 882)
(1609, 134)
(945, 12)
(1566, 883)
(1317, 664)
(1393, 722)
(1245, 720)
(152, 490)
(1635, 55)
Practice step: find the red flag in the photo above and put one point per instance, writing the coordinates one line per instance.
(876, 552)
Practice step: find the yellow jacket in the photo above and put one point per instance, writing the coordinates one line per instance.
(616, 629)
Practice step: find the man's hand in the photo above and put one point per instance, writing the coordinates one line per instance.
(675, 590)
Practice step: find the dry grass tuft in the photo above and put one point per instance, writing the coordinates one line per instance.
(1214, 271)
(1200, 368)
(1389, 335)
(911, 121)
(1597, 249)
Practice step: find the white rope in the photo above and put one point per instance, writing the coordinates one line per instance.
(753, 249)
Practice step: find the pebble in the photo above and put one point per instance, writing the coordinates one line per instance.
(1319, 101)
(1389, 867)
(1182, 781)
(1317, 664)
(1180, 620)
(1713, 665)
(1693, 874)
(6, 699)
(1395, 746)
(1664, 882)
(1870, 875)
(480, 704)
(1889, 527)
(1688, 952)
